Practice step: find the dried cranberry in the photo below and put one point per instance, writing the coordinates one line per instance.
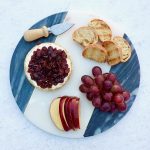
(67, 70)
(64, 55)
(50, 48)
(53, 55)
(48, 66)
(44, 49)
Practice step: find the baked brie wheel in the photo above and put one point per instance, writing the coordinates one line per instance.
(47, 66)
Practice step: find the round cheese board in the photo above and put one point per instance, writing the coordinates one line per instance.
(35, 103)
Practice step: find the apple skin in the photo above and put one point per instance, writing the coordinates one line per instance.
(74, 108)
(68, 113)
(78, 113)
(62, 114)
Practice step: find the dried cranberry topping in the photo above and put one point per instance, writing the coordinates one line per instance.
(48, 66)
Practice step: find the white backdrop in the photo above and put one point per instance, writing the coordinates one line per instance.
(131, 133)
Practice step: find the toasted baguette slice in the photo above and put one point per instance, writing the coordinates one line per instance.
(95, 52)
(124, 46)
(102, 29)
(85, 36)
(113, 53)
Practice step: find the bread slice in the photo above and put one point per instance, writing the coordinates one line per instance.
(113, 53)
(124, 46)
(95, 52)
(85, 36)
(102, 29)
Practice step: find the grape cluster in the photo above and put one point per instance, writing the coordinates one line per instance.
(105, 91)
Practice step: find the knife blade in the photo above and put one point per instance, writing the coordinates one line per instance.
(33, 34)
(60, 28)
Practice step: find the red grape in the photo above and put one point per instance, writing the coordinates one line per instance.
(105, 91)
(113, 107)
(94, 89)
(122, 106)
(107, 96)
(83, 88)
(96, 71)
(116, 82)
(126, 95)
(107, 84)
(96, 101)
(118, 98)
(111, 77)
(105, 75)
(99, 81)
(106, 107)
(83, 78)
(89, 96)
(116, 89)
(87, 80)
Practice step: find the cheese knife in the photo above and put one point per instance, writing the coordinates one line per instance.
(34, 34)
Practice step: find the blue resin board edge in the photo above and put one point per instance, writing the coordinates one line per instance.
(128, 74)
(21, 88)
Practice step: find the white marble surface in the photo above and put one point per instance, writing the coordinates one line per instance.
(131, 133)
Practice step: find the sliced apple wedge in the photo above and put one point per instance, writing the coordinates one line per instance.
(68, 113)
(54, 113)
(77, 114)
(74, 108)
(62, 114)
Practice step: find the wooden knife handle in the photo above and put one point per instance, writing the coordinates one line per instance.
(31, 35)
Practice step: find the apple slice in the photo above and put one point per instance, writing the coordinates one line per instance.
(74, 108)
(68, 113)
(62, 114)
(77, 115)
(54, 113)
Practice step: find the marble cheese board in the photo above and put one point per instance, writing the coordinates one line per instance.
(34, 104)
